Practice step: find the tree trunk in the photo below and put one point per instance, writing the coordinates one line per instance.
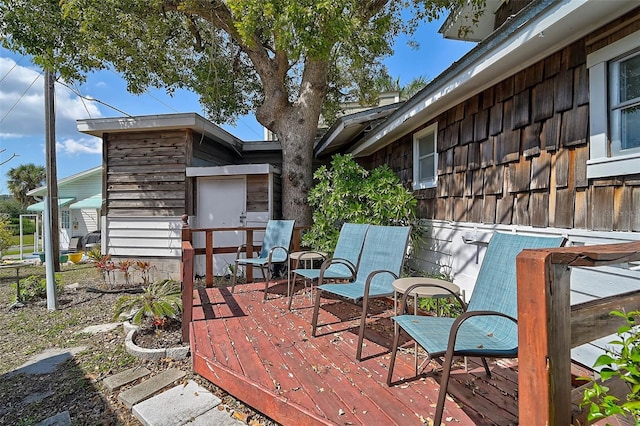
(296, 138)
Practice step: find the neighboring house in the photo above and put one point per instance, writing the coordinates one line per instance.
(79, 202)
(535, 130)
(158, 168)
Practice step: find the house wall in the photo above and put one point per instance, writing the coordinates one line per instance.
(513, 159)
(516, 153)
(145, 173)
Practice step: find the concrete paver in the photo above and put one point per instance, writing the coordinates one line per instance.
(60, 419)
(101, 328)
(149, 387)
(116, 381)
(177, 406)
(47, 361)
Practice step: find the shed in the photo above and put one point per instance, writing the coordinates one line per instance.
(147, 188)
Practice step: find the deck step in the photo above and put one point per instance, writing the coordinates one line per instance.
(149, 387)
(115, 382)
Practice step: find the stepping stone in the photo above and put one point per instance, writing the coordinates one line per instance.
(47, 361)
(115, 382)
(215, 417)
(177, 406)
(149, 387)
(101, 328)
(60, 419)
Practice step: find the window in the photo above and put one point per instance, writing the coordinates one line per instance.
(425, 158)
(624, 101)
(65, 219)
(614, 108)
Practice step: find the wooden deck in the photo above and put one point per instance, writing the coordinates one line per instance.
(264, 355)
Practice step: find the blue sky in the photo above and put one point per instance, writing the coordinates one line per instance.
(22, 103)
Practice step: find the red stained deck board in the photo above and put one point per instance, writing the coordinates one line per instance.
(287, 354)
(370, 375)
(270, 343)
(326, 355)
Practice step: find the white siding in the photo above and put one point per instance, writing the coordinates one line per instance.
(143, 236)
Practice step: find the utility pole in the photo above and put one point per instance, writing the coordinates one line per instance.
(52, 256)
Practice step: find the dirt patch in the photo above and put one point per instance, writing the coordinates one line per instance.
(169, 336)
(77, 384)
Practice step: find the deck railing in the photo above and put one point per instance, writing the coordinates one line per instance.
(209, 251)
(548, 326)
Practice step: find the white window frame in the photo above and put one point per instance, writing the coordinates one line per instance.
(601, 162)
(429, 183)
(65, 219)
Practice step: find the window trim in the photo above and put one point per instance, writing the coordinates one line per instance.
(65, 219)
(417, 183)
(601, 164)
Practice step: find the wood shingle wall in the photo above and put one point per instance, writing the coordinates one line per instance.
(145, 173)
(516, 153)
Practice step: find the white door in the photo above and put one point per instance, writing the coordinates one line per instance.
(221, 203)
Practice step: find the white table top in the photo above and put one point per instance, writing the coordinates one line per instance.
(307, 255)
(402, 284)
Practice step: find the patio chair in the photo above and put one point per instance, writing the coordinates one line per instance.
(381, 261)
(488, 327)
(274, 250)
(344, 262)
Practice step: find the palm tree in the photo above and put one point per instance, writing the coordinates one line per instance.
(23, 179)
(387, 84)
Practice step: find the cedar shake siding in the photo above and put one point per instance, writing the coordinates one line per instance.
(516, 153)
(145, 171)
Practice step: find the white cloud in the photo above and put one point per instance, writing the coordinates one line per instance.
(88, 145)
(22, 103)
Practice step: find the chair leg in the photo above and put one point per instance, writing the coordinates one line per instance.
(486, 367)
(266, 280)
(394, 350)
(316, 310)
(444, 383)
(363, 324)
(233, 280)
(291, 286)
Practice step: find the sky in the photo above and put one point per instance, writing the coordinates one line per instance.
(22, 138)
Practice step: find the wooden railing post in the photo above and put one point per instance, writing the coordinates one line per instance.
(545, 332)
(186, 229)
(186, 273)
(209, 258)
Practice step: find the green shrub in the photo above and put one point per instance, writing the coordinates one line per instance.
(35, 287)
(159, 301)
(349, 193)
(622, 362)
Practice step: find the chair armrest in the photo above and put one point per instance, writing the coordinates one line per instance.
(239, 250)
(273, 249)
(372, 274)
(408, 291)
(337, 261)
(467, 315)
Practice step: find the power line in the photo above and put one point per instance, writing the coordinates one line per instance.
(20, 98)
(15, 64)
(80, 95)
(83, 103)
